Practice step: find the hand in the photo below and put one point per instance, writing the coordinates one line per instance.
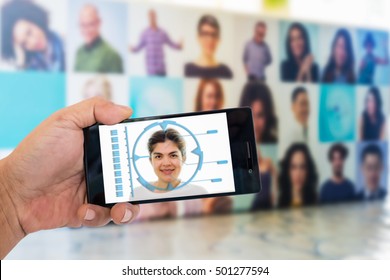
(306, 64)
(217, 205)
(43, 179)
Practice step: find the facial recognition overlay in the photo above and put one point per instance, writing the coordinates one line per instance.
(373, 66)
(176, 157)
(337, 113)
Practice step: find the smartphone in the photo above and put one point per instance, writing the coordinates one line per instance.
(171, 157)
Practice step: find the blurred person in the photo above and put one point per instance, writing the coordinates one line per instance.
(300, 106)
(98, 86)
(206, 66)
(370, 60)
(299, 65)
(372, 125)
(337, 188)
(95, 55)
(341, 63)
(209, 96)
(27, 41)
(258, 96)
(298, 177)
(266, 198)
(42, 182)
(372, 166)
(153, 40)
(257, 54)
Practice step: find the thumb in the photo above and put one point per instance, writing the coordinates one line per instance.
(90, 111)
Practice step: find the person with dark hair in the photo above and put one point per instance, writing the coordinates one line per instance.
(341, 62)
(266, 198)
(153, 40)
(338, 188)
(209, 96)
(298, 177)
(206, 66)
(167, 154)
(95, 55)
(258, 96)
(371, 164)
(257, 54)
(299, 65)
(27, 42)
(372, 124)
(370, 60)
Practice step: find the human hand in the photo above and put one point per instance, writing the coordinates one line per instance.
(306, 64)
(43, 179)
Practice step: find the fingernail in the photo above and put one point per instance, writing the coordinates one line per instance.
(89, 215)
(127, 217)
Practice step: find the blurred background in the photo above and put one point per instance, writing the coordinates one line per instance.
(316, 74)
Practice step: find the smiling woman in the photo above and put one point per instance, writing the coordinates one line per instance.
(167, 155)
(27, 41)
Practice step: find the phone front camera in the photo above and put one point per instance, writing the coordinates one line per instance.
(250, 171)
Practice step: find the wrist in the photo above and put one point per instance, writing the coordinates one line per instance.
(11, 232)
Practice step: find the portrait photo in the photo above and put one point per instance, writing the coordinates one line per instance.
(373, 64)
(156, 42)
(337, 179)
(298, 117)
(256, 46)
(80, 87)
(207, 53)
(298, 49)
(33, 35)
(99, 36)
(372, 170)
(372, 110)
(337, 113)
(338, 55)
(208, 94)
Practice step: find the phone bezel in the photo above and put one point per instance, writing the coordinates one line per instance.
(238, 156)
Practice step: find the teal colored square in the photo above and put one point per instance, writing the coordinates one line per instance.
(26, 99)
(337, 113)
(154, 96)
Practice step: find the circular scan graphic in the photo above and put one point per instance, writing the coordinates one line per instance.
(191, 166)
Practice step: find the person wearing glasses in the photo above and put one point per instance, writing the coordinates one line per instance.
(95, 55)
(206, 66)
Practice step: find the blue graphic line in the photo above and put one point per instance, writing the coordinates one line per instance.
(129, 163)
(208, 132)
(139, 157)
(217, 162)
(215, 180)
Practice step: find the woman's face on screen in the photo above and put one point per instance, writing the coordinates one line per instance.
(298, 170)
(258, 118)
(340, 52)
(29, 36)
(208, 39)
(167, 161)
(209, 98)
(297, 43)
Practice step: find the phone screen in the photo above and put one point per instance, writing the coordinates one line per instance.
(166, 158)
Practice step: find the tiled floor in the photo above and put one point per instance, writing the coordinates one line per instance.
(349, 231)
